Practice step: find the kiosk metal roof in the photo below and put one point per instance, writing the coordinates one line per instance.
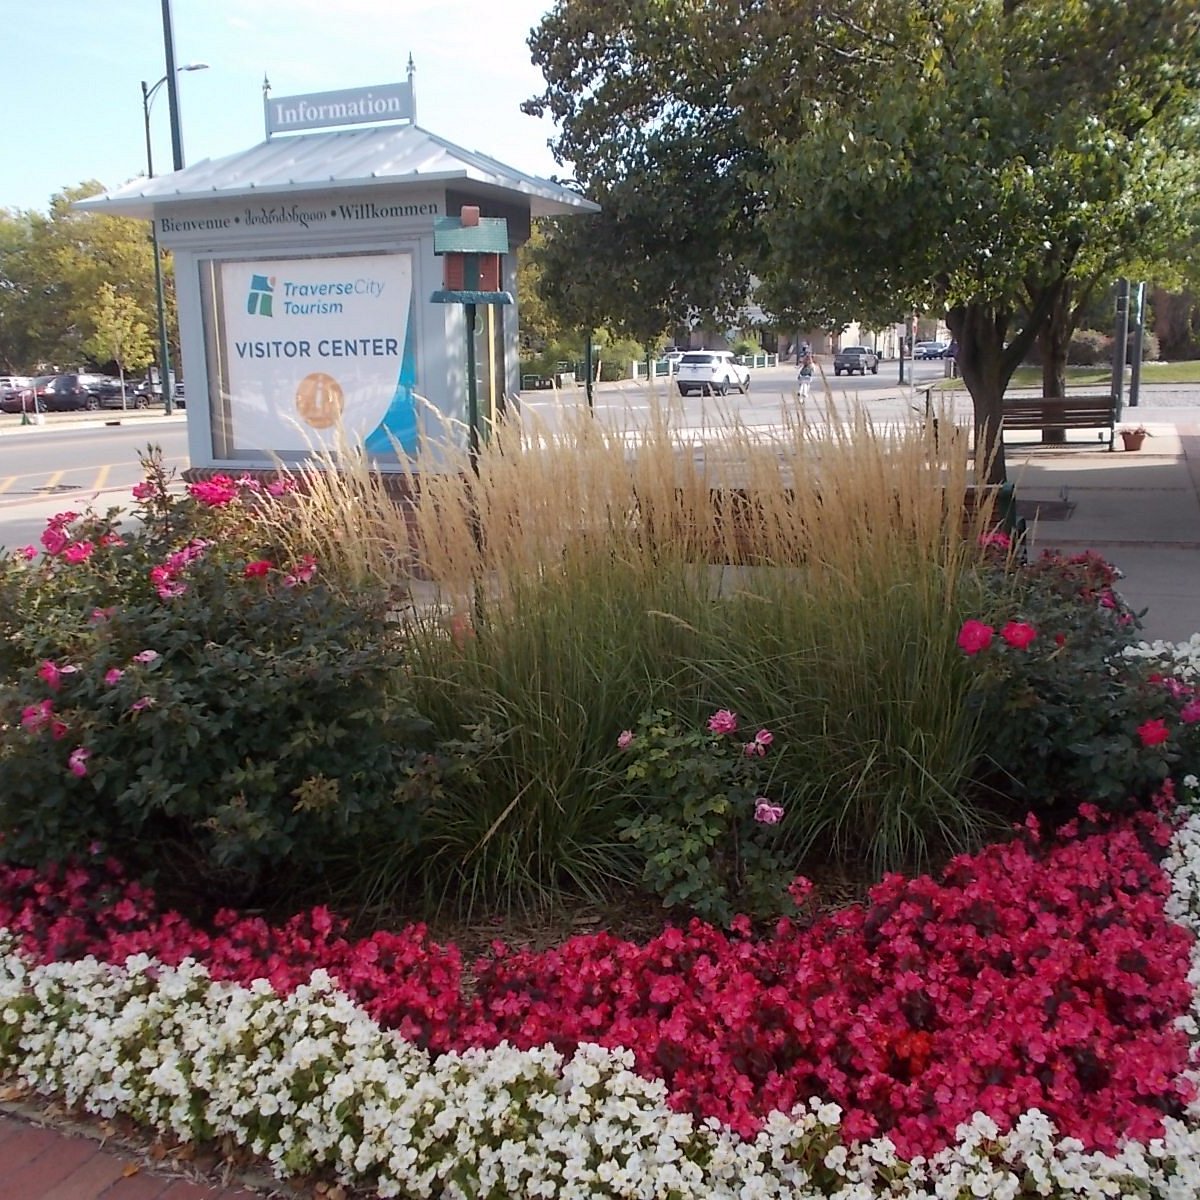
(337, 159)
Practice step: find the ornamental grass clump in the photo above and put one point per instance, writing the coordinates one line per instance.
(813, 579)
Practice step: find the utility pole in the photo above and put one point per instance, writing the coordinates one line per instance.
(1139, 334)
(1120, 338)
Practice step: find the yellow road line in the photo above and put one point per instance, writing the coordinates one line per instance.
(54, 480)
(102, 475)
(5, 484)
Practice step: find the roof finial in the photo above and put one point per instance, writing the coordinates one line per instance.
(412, 91)
(266, 86)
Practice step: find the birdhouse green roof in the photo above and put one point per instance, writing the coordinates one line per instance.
(451, 236)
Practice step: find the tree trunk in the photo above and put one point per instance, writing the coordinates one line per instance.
(979, 331)
(1054, 340)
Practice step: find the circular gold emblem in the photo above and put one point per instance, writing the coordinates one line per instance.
(320, 400)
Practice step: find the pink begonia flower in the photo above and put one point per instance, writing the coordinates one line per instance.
(1018, 634)
(144, 491)
(54, 540)
(113, 675)
(974, 636)
(78, 552)
(28, 553)
(723, 721)
(50, 675)
(766, 813)
(1153, 732)
(145, 656)
(142, 703)
(37, 716)
(624, 739)
(1189, 714)
(77, 762)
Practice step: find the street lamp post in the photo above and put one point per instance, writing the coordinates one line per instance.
(164, 353)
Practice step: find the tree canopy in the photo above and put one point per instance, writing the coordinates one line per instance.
(975, 157)
(54, 269)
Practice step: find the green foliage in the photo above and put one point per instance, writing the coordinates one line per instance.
(1063, 713)
(54, 265)
(747, 344)
(694, 828)
(212, 720)
(1089, 347)
(120, 334)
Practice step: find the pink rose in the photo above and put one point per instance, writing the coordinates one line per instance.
(624, 739)
(723, 721)
(54, 540)
(78, 552)
(800, 889)
(145, 656)
(113, 675)
(257, 569)
(50, 675)
(974, 636)
(141, 704)
(28, 553)
(1189, 714)
(37, 716)
(77, 762)
(766, 813)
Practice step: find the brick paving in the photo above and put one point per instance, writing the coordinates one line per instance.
(41, 1163)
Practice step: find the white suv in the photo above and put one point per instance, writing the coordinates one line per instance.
(710, 372)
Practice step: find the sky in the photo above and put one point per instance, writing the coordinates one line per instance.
(77, 113)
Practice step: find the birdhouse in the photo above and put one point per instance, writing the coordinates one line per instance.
(471, 248)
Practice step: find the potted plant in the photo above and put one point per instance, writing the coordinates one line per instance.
(1134, 437)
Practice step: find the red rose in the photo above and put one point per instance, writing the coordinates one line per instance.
(1018, 634)
(1153, 733)
(255, 570)
(974, 636)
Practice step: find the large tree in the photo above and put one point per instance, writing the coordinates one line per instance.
(976, 157)
(53, 269)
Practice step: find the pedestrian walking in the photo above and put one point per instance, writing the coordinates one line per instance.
(805, 377)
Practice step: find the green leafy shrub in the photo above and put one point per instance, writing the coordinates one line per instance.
(1067, 711)
(702, 827)
(213, 709)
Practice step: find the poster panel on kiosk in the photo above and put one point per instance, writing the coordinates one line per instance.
(316, 350)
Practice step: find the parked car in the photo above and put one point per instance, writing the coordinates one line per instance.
(69, 392)
(930, 349)
(16, 394)
(180, 398)
(710, 372)
(111, 395)
(856, 358)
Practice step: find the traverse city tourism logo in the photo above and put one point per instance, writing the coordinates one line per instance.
(260, 298)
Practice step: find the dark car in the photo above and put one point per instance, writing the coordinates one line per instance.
(69, 392)
(111, 395)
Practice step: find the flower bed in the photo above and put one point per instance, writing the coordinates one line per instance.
(1027, 1019)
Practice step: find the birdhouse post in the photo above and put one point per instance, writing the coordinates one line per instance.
(471, 248)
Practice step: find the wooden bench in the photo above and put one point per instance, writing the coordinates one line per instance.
(735, 536)
(1071, 412)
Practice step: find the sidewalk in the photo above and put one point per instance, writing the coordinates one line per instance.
(42, 1162)
(1140, 510)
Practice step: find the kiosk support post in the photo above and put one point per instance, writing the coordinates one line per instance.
(472, 391)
